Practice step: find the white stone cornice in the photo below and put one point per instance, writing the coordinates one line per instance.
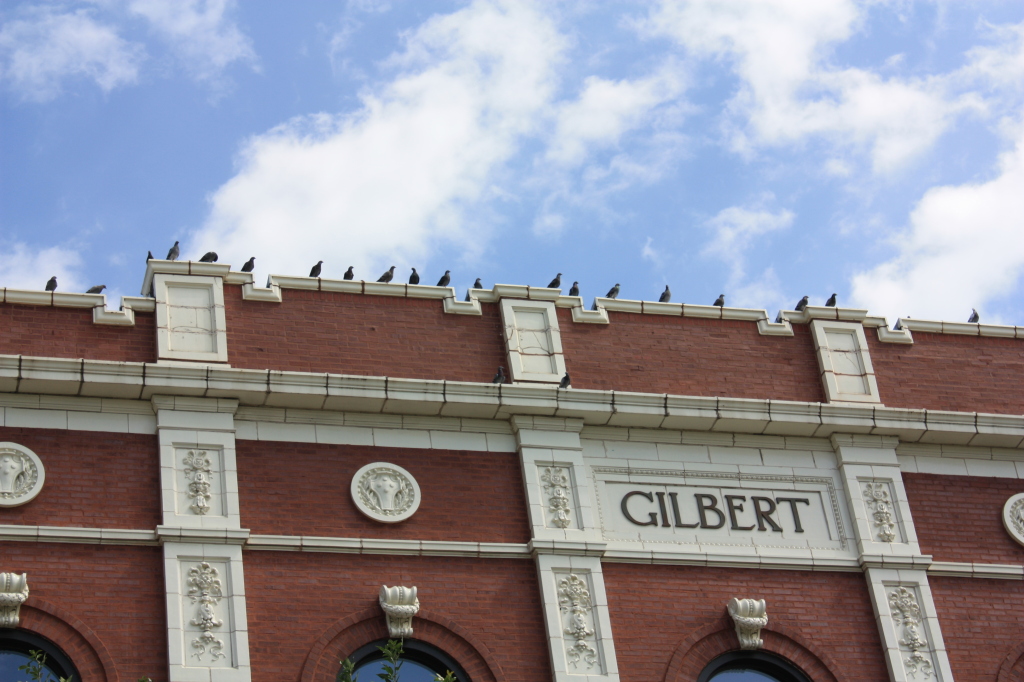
(60, 376)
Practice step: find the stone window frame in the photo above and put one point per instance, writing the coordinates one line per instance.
(509, 306)
(833, 392)
(161, 283)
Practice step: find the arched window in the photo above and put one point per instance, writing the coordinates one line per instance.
(421, 662)
(16, 647)
(751, 666)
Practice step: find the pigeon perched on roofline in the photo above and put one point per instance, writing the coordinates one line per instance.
(831, 302)
(666, 295)
(445, 278)
(974, 316)
(249, 264)
(720, 301)
(499, 378)
(574, 290)
(387, 276)
(209, 257)
(802, 303)
(613, 292)
(414, 278)
(149, 256)
(51, 285)
(478, 284)
(315, 270)
(556, 283)
(174, 252)
(98, 289)
(350, 273)
(566, 382)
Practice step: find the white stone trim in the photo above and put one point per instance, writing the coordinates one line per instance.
(750, 616)
(330, 392)
(531, 347)
(19, 463)
(954, 569)
(13, 593)
(199, 336)
(184, 657)
(903, 605)
(584, 650)
(844, 361)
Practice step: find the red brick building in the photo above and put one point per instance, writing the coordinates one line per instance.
(215, 482)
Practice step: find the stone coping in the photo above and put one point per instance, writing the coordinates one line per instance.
(597, 314)
(348, 393)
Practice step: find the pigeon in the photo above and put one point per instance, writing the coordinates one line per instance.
(98, 289)
(414, 278)
(174, 252)
(831, 302)
(478, 284)
(499, 378)
(387, 276)
(802, 304)
(556, 283)
(445, 278)
(666, 295)
(52, 284)
(350, 273)
(974, 316)
(209, 257)
(315, 270)
(565, 382)
(149, 256)
(613, 292)
(575, 290)
(720, 301)
(249, 264)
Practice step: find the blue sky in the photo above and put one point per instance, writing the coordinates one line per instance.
(765, 149)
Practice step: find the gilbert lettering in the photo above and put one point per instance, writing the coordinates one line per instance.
(666, 510)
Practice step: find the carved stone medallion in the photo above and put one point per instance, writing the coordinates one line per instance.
(21, 475)
(1013, 517)
(385, 492)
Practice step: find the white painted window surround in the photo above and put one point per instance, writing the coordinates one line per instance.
(845, 362)
(533, 340)
(190, 319)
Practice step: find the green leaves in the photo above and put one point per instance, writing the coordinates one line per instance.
(392, 653)
(36, 668)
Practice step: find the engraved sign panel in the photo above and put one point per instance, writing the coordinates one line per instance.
(711, 508)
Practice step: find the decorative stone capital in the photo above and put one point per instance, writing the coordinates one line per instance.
(750, 616)
(13, 593)
(400, 605)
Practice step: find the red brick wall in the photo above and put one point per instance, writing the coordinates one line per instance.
(71, 333)
(655, 608)
(292, 598)
(93, 479)
(951, 372)
(318, 331)
(117, 592)
(960, 518)
(981, 623)
(303, 489)
(690, 356)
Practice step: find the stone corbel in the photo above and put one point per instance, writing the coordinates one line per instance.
(13, 593)
(750, 616)
(400, 605)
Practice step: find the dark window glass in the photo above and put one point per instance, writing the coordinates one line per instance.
(421, 662)
(15, 646)
(751, 666)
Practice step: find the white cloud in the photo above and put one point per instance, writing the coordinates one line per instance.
(736, 228)
(607, 109)
(789, 91)
(25, 267)
(381, 185)
(1001, 64)
(45, 48)
(199, 32)
(964, 247)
